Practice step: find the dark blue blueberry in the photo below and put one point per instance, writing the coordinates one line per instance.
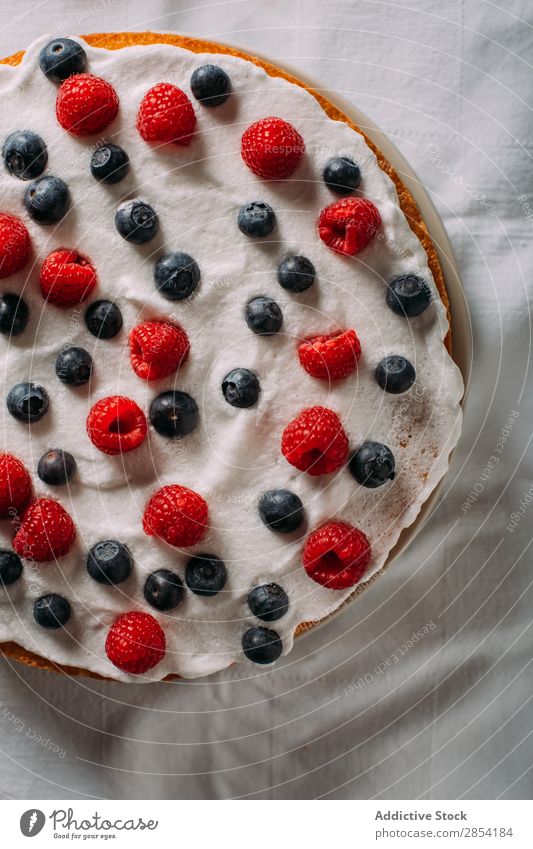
(61, 58)
(174, 413)
(109, 163)
(256, 219)
(13, 314)
(296, 274)
(261, 645)
(163, 589)
(281, 510)
(176, 276)
(263, 316)
(56, 467)
(268, 602)
(47, 199)
(210, 85)
(205, 574)
(395, 374)
(74, 366)
(27, 402)
(10, 567)
(372, 464)
(408, 295)
(103, 319)
(241, 387)
(109, 562)
(25, 155)
(341, 175)
(136, 221)
(51, 611)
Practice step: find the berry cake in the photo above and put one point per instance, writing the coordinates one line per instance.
(225, 366)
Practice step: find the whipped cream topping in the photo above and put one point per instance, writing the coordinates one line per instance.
(233, 455)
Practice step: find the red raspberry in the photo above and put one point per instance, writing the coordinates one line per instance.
(315, 442)
(349, 225)
(67, 278)
(272, 148)
(135, 642)
(116, 425)
(15, 244)
(85, 104)
(336, 555)
(166, 115)
(46, 531)
(157, 348)
(330, 357)
(15, 486)
(176, 514)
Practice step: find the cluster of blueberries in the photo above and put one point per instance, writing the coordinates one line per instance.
(110, 562)
(407, 295)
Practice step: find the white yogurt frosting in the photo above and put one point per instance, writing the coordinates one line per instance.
(234, 454)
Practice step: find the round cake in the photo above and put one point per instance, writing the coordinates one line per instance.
(225, 358)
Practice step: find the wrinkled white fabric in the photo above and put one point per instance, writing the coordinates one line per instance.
(420, 688)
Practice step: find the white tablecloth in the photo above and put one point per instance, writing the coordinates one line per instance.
(357, 711)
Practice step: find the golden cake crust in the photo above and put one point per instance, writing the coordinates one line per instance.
(119, 40)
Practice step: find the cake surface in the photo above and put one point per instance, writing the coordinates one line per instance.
(233, 454)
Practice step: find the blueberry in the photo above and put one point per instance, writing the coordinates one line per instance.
(74, 366)
(109, 163)
(241, 387)
(47, 199)
(103, 319)
(13, 314)
(25, 155)
(56, 467)
(136, 221)
(268, 602)
(281, 510)
(51, 611)
(296, 274)
(372, 464)
(210, 85)
(261, 645)
(174, 413)
(408, 295)
(341, 175)
(27, 402)
(10, 567)
(395, 374)
(109, 562)
(205, 574)
(163, 589)
(263, 316)
(256, 219)
(176, 276)
(61, 58)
